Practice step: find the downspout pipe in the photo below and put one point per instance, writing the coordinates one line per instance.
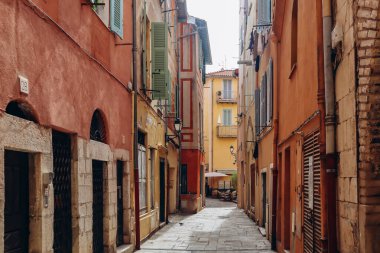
(135, 127)
(178, 87)
(275, 141)
(330, 122)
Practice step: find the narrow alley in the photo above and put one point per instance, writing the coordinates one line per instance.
(220, 227)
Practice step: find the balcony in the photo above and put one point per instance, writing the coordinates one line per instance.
(226, 97)
(227, 131)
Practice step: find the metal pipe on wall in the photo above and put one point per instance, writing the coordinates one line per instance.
(275, 141)
(330, 122)
(135, 127)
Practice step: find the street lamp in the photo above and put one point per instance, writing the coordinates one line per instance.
(178, 125)
(232, 151)
(178, 128)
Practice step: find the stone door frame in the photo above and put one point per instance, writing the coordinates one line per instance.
(18, 134)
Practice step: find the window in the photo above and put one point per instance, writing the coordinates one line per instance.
(294, 35)
(142, 172)
(111, 13)
(142, 177)
(152, 162)
(227, 89)
(184, 179)
(227, 117)
(264, 11)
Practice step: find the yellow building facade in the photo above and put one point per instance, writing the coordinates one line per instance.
(220, 128)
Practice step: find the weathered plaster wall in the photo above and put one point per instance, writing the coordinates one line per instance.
(72, 63)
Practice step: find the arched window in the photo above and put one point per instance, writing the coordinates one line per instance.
(22, 110)
(98, 130)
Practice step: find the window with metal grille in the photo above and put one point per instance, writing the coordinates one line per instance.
(98, 129)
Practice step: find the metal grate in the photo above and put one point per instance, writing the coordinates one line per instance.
(311, 194)
(98, 129)
(62, 193)
(97, 206)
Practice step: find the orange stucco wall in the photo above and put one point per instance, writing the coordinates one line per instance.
(72, 63)
(298, 101)
(298, 94)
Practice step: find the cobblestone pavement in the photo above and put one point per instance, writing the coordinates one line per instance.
(220, 227)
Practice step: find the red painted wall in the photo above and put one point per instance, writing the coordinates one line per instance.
(72, 63)
(193, 159)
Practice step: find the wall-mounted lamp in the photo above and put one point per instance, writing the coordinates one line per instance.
(178, 129)
(232, 151)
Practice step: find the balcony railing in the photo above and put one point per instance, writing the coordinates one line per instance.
(227, 131)
(226, 96)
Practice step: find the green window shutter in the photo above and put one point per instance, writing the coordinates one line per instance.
(144, 63)
(159, 60)
(116, 9)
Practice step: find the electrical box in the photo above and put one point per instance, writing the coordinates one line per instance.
(47, 178)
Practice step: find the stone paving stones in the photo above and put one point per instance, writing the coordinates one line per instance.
(220, 227)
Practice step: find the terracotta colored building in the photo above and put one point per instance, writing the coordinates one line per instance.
(322, 193)
(195, 54)
(65, 120)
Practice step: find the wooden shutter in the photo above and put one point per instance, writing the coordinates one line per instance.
(159, 60)
(263, 99)
(264, 11)
(257, 111)
(260, 11)
(116, 9)
(311, 194)
(144, 63)
(270, 90)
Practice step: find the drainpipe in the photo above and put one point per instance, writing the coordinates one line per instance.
(135, 128)
(275, 141)
(178, 109)
(330, 121)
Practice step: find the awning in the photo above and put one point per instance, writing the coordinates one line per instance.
(215, 174)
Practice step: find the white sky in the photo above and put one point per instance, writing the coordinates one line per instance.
(222, 18)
